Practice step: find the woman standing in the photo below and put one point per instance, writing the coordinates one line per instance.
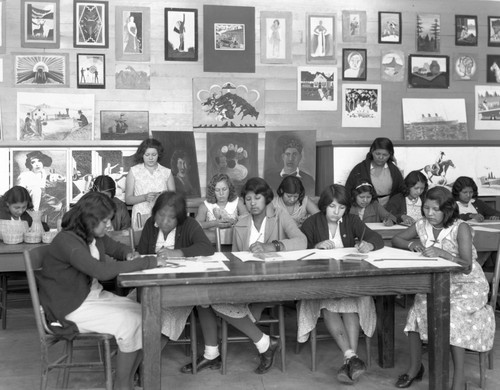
(146, 180)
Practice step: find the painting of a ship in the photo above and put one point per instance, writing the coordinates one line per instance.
(434, 120)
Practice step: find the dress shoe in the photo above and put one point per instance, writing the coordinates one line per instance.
(405, 381)
(202, 363)
(343, 375)
(357, 367)
(267, 358)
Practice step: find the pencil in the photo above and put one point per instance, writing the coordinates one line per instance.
(309, 254)
(362, 235)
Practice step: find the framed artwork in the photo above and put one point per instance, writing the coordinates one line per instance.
(389, 27)
(465, 67)
(40, 24)
(90, 24)
(229, 39)
(353, 64)
(428, 71)
(392, 65)
(487, 107)
(41, 70)
(320, 44)
(133, 28)
(132, 76)
(361, 105)
(493, 30)
(428, 32)
(435, 119)
(317, 88)
(493, 68)
(275, 37)
(181, 34)
(465, 30)
(124, 125)
(91, 71)
(354, 26)
(54, 116)
(3, 22)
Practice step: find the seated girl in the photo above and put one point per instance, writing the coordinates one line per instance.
(293, 199)
(364, 204)
(472, 321)
(334, 227)
(14, 205)
(106, 185)
(469, 207)
(264, 229)
(407, 206)
(70, 293)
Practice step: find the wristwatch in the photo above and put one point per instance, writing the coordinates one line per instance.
(277, 245)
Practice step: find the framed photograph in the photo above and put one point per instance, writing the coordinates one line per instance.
(493, 69)
(181, 34)
(3, 22)
(353, 64)
(228, 39)
(465, 30)
(465, 67)
(428, 32)
(354, 26)
(275, 37)
(91, 71)
(90, 24)
(41, 70)
(392, 65)
(320, 44)
(389, 27)
(124, 125)
(487, 107)
(133, 28)
(493, 30)
(361, 105)
(40, 24)
(428, 71)
(317, 88)
(132, 76)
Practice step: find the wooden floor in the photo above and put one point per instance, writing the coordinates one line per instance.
(19, 364)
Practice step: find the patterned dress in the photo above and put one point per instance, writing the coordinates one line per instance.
(299, 213)
(472, 320)
(145, 182)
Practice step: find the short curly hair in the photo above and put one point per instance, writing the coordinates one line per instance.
(446, 202)
(149, 143)
(217, 178)
(334, 192)
(292, 143)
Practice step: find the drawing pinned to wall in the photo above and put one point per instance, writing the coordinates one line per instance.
(235, 154)
(354, 64)
(361, 105)
(435, 119)
(465, 67)
(124, 125)
(276, 37)
(41, 70)
(493, 69)
(389, 27)
(90, 24)
(40, 24)
(230, 103)
(320, 42)
(291, 153)
(354, 26)
(181, 34)
(392, 65)
(317, 88)
(180, 156)
(132, 76)
(428, 32)
(428, 71)
(54, 116)
(487, 107)
(132, 33)
(91, 71)
(465, 30)
(493, 30)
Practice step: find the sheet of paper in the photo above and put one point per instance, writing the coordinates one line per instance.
(276, 256)
(389, 257)
(380, 226)
(188, 265)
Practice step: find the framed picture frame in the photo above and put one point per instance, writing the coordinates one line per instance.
(91, 71)
(41, 70)
(320, 44)
(228, 39)
(428, 32)
(3, 22)
(124, 125)
(466, 30)
(275, 37)
(487, 112)
(40, 24)
(428, 71)
(90, 24)
(354, 64)
(361, 105)
(494, 31)
(354, 26)
(317, 88)
(465, 67)
(181, 34)
(133, 28)
(493, 68)
(389, 27)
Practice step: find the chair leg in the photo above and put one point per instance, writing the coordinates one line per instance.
(491, 358)
(3, 288)
(224, 346)
(482, 369)
(312, 335)
(107, 365)
(194, 340)
(44, 363)
(281, 316)
(368, 351)
(69, 359)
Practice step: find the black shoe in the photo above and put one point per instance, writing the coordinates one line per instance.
(343, 375)
(202, 363)
(357, 367)
(405, 381)
(267, 358)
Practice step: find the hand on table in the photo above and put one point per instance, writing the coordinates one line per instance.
(327, 244)
(364, 247)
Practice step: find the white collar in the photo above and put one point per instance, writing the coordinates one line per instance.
(283, 173)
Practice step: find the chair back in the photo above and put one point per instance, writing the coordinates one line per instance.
(141, 219)
(496, 279)
(213, 236)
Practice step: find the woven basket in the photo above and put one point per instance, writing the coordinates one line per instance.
(47, 237)
(12, 238)
(10, 226)
(32, 237)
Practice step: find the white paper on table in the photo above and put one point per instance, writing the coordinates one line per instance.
(275, 256)
(376, 226)
(389, 257)
(188, 265)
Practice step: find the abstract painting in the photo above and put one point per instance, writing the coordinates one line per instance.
(41, 70)
(90, 24)
(361, 105)
(465, 67)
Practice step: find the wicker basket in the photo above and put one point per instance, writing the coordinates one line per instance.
(32, 237)
(47, 237)
(12, 237)
(10, 226)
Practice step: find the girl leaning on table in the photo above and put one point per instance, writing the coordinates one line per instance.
(264, 229)
(469, 206)
(333, 227)
(472, 322)
(70, 293)
(14, 205)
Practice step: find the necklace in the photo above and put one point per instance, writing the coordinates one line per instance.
(435, 228)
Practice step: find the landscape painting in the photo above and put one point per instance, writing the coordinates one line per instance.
(132, 76)
(428, 32)
(317, 88)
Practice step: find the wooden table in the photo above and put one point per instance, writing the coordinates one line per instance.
(11, 256)
(292, 280)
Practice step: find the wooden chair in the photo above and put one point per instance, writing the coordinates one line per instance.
(33, 261)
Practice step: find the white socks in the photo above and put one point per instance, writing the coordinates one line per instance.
(263, 344)
(349, 354)
(211, 352)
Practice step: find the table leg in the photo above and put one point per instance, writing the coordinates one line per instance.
(385, 330)
(151, 334)
(438, 314)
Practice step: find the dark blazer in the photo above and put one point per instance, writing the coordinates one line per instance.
(483, 209)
